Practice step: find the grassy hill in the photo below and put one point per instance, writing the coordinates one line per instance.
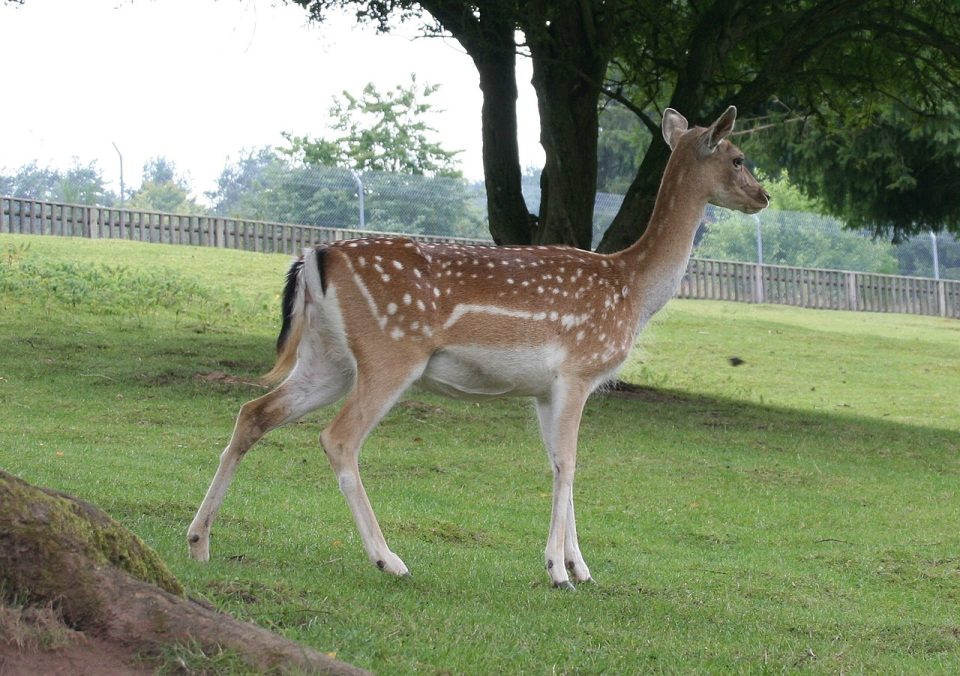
(799, 510)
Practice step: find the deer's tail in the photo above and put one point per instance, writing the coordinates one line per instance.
(296, 295)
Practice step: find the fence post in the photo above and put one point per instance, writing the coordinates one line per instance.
(757, 292)
(942, 297)
(851, 280)
(91, 220)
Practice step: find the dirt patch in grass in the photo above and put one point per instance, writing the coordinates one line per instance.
(225, 379)
(35, 640)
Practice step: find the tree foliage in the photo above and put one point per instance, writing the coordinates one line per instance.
(267, 185)
(890, 169)
(379, 131)
(773, 59)
(80, 184)
(798, 239)
(164, 190)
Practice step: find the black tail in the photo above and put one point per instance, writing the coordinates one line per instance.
(289, 294)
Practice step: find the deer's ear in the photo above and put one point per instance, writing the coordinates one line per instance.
(720, 129)
(673, 125)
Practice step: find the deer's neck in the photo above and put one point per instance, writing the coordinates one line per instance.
(659, 258)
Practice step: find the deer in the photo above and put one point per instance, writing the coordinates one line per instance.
(365, 319)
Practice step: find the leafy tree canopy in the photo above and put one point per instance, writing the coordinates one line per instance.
(890, 169)
(380, 131)
(80, 184)
(164, 190)
(774, 59)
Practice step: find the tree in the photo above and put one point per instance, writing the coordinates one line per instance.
(378, 131)
(163, 190)
(765, 56)
(84, 185)
(264, 185)
(798, 239)
(80, 184)
(891, 169)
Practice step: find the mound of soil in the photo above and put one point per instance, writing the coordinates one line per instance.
(84, 595)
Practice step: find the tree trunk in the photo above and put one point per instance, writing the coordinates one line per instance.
(486, 32)
(55, 549)
(510, 221)
(570, 47)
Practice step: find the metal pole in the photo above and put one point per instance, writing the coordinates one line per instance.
(758, 292)
(936, 256)
(121, 172)
(356, 177)
(756, 218)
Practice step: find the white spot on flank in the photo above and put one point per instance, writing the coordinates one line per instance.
(436, 292)
(391, 308)
(420, 305)
(397, 334)
(398, 265)
(407, 299)
(378, 267)
(417, 273)
(385, 278)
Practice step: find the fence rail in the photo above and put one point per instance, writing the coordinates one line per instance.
(705, 279)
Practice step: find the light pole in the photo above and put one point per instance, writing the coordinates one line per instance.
(356, 177)
(936, 255)
(121, 172)
(756, 219)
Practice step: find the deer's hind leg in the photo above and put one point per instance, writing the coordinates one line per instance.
(303, 391)
(377, 390)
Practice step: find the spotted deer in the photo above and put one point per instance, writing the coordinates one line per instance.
(368, 318)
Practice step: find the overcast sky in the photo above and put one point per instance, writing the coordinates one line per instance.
(197, 81)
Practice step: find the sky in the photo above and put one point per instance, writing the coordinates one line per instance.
(199, 81)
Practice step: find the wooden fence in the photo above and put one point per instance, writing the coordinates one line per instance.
(705, 279)
(820, 289)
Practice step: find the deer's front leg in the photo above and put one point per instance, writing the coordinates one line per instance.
(560, 423)
(573, 559)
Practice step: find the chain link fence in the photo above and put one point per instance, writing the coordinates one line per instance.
(454, 207)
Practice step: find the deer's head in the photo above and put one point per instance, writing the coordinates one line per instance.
(718, 167)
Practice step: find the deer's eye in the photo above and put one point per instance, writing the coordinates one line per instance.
(738, 162)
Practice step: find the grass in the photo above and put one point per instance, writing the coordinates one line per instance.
(796, 512)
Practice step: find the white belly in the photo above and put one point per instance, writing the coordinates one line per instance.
(479, 372)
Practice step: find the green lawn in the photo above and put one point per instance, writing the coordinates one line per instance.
(798, 511)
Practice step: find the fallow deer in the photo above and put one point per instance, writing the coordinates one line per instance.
(368, 318)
